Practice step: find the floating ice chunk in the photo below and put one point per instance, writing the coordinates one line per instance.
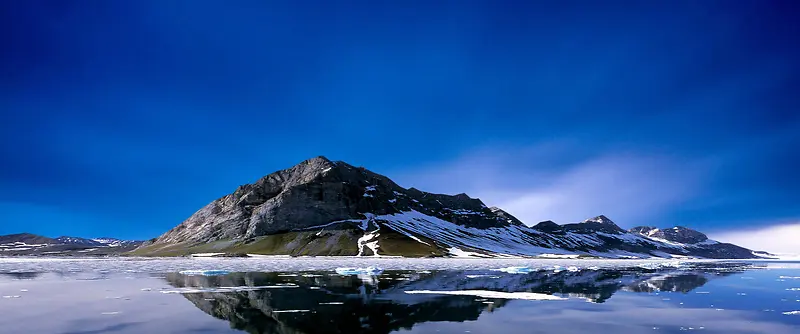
(9, 297)
(110, 313)
(792, 313)
(332, 303)
(147, 289)
(516, 270)
(573, 268)
(793, 289)
(290, 311)
(476, 276)
(558, 256)
(491, 294)
(23, 290)
(204, 272)
(372, 271)
(789, 277)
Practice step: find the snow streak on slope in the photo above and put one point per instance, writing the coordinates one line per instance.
(509, 240)
(516, 240)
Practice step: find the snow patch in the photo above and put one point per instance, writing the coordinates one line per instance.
(558, 256)
(458, 252)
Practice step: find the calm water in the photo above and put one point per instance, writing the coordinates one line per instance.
(558, 296)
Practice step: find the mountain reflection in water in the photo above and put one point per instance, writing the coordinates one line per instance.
(324, 302)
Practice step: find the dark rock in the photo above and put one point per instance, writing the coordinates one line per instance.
(319, 191)
(597, 224)
(548, 226)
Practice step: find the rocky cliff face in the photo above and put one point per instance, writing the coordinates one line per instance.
(317, 192)
(323, 207)
(678, 234)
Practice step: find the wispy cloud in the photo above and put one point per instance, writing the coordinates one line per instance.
(782, 239)
(631, 189)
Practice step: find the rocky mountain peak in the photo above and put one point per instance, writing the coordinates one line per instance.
(547, 226)
(319, 191)
(600, 223)
(321, 207)
(678, 234)
(601, 219)
(505, 217)
(644, 230)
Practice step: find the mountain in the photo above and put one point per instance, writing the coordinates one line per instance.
(324, 207)
(32, 244)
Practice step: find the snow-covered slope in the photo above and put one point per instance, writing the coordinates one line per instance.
(31, 244)
(520, 240)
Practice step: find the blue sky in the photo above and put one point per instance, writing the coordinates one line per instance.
(122, 118)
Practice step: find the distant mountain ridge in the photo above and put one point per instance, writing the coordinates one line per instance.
(32, 244)
(324, 207)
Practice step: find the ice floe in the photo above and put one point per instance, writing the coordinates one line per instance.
(204, 272)
(516, 270)
(206, 254)
(290, 311)
(491, 294)
(792, 313)
(359, 271)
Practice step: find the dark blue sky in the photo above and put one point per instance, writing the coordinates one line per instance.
(122, 118)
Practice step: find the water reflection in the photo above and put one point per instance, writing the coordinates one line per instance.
(21, 275)
(324, 302)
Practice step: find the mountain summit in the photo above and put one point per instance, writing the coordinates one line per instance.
(319, 191)
(325, 207)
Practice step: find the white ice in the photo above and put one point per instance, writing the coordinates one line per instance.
(516, 270)
(373, 271)
(491, 294)
(204, 272)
